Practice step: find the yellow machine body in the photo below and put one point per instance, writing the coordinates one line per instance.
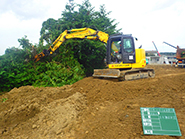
(140, 61)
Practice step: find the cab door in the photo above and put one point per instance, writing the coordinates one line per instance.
(128, 50)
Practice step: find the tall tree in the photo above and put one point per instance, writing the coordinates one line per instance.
(50, 30)
(27, 47)
(89, 53)
(24, 43)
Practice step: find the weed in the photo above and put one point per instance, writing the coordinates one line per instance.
(4, 99)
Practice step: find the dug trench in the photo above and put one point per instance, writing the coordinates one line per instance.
(92, 108)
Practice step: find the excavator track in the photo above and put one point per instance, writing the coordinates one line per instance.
(124, 75)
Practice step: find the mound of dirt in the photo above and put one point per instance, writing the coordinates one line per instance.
(92, 108)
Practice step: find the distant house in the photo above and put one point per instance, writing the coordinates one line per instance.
(165, 58)
(152, 57)
(171, 56)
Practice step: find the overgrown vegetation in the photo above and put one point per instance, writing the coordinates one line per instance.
(74, 60)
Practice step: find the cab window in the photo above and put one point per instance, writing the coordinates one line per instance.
(128, 45)
(115, 45)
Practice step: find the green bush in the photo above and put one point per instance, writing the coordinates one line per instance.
(58, 75)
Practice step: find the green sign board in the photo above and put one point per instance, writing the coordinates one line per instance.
(160, 121)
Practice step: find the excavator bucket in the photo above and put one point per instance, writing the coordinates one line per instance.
(126, 75)
(38, 57)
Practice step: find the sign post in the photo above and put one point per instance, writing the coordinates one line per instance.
(160, 121)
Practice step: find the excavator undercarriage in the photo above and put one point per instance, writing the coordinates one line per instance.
(124, 75)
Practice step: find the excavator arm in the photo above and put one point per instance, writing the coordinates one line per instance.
(82, 33)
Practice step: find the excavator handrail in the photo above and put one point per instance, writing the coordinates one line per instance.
(81, 33)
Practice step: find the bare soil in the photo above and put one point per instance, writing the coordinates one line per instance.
(92, 108)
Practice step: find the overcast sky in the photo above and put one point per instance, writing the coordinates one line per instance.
(148, 20)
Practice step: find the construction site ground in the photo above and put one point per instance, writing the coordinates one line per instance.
(92, 108)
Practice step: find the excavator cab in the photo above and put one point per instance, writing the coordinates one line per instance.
(120, 48)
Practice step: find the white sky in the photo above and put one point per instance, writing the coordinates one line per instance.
(148, 20)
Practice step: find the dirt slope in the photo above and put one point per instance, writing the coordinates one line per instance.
(92, 108)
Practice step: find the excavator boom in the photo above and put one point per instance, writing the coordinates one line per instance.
(81, 33)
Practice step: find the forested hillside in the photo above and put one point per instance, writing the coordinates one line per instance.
(73, 60)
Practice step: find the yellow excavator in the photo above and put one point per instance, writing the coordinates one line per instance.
(123, 60)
